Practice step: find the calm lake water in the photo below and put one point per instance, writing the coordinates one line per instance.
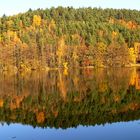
(91, 104)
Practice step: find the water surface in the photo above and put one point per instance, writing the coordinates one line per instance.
(100, 104)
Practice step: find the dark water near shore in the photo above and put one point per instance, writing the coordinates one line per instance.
(94, 104)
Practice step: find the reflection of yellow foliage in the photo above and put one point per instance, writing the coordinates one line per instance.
(12, 106)
(132, 55)
(40, 117)
(102, 87)
(0, 39)
(103, 100)
(13, 117)
(133, 78)
(62, 87)
(137, 84)
(77, 99)
(65, 72)
(1, 103)
(116, 98)
(114, 111)
(76, 81)
(65, 64)
(15, 102)
(54, 111)
(133, 106)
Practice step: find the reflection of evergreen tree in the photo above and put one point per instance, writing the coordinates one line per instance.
(92, 98)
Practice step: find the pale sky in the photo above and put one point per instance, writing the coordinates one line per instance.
(10, 7)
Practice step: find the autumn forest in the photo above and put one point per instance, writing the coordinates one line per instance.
(67, 37)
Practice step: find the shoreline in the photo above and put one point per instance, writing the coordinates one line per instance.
(15, 70)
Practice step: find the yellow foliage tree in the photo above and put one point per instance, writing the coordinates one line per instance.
(9, 24)
(36, 20)
(114, 34)
(60, 51)
(52, 25)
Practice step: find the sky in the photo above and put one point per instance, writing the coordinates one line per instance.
(11, 7)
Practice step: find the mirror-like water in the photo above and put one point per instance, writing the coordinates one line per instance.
(81, 104)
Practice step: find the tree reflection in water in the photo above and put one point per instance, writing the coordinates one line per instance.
(68, 98)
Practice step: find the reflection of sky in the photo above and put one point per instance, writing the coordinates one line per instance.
(115, 131)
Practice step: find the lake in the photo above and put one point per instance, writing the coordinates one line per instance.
(78, 104)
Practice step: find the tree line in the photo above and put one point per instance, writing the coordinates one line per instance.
(68, 37)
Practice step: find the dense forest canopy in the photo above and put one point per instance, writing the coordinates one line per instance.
(68, 37)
